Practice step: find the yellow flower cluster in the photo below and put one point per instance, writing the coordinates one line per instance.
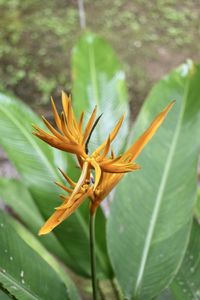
(108, 169)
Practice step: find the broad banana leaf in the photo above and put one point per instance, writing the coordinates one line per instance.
(151, 215)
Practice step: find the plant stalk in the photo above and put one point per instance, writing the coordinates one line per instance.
(92, 255)
(116, 290)
(81, 14)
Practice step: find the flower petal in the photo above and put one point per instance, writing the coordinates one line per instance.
(89, 125)
(80, 123)
(60, 215)
(81, 180)
(65, 103)
(106, 149)
(56, 143)
(120, 168)
(66, 204)
(56, 115)
(65, 129)
(54, 131)
(69, 180)
(112, 136)
(69, 114)
(97, 173)
(137, 147)
(65, 188)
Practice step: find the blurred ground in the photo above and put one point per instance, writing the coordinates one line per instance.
(36, 38)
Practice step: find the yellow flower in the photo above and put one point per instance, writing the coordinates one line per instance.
(70, 137)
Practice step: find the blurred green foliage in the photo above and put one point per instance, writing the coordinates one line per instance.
(34, 46)
(150, 37)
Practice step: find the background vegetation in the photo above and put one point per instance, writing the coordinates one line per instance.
(150, 38)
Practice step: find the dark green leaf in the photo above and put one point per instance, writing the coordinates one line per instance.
(17, 197)
(23, 272)
(36, 245)
(4, 296)
(186, 285)
(166, 295)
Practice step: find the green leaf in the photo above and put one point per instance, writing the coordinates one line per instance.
(151, 214)
(35, 162)
(36, 245)
(4, 296)
(197, 207)
(17, 197)
(23, 272)
(79, 247)
(186, 285)
(98, 79)
(32, 158)
(166, 295)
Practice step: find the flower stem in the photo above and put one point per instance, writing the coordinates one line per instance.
(116, 289)
(92, 255)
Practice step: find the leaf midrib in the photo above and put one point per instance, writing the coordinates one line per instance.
(154, 216)
(15, 283)
(31, 141)
(93, 73)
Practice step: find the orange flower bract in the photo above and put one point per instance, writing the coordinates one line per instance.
(107, 169)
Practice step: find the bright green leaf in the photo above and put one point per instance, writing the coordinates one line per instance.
(151, 214)
(197, 207)
(98, 79)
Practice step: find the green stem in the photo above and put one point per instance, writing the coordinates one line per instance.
(92, 255)
(116, 289)
(102, 296)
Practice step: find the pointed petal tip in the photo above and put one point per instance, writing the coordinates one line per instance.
(122, 118)
(52, 101)
(43, 231)
(61, 207)
(65, 97)
(35, 126)
(44, 120)
(63, 93)
(137, 167)
(47, 228)
(169, 106)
